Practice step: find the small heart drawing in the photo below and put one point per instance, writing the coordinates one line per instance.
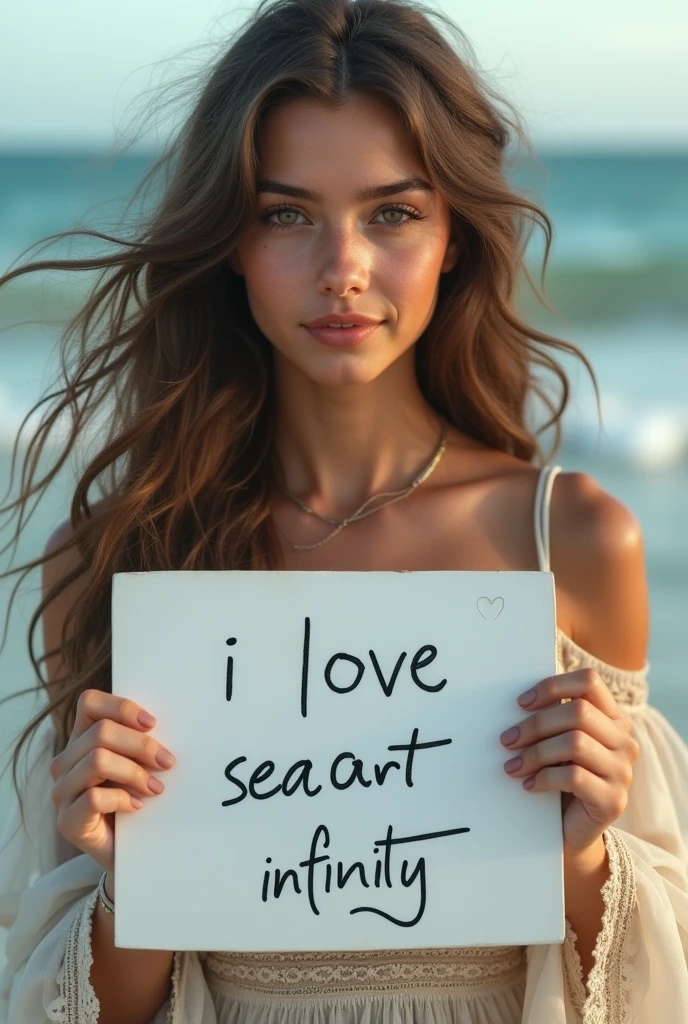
(490, 609)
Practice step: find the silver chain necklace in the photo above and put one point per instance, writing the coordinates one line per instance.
(363, 510)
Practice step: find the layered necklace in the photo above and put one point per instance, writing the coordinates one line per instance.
(363, 511)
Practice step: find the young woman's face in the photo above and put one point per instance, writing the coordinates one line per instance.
(339, 253)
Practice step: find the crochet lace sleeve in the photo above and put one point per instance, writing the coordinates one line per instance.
(77, 1002)
(606, 1000)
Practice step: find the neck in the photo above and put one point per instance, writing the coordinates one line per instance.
(339, 445)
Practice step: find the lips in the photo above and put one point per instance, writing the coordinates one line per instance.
(357, 319)
(343, 337)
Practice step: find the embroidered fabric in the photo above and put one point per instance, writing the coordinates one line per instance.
(285, 976)
(174, 1011)
(628, 687)
(77, 1002)
(610, 980)
(573, 970)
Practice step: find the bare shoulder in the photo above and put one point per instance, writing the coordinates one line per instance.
(62, 557)
(597, 556)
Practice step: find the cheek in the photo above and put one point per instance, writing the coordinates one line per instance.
(425, 265)
(269, 277)
(410, 277)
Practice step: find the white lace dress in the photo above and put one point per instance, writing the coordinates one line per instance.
(639, 977)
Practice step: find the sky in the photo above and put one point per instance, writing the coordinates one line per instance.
(589, 74)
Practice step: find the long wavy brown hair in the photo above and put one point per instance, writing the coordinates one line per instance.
(164, 353)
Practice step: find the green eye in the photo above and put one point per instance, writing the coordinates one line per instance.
(411, 215)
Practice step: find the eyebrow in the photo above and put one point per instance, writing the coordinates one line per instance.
(411, 184)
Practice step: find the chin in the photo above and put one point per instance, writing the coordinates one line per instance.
(341, 372)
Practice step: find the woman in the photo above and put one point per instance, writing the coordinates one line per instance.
(343, 164)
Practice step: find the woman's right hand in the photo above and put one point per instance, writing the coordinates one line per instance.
(106, 764)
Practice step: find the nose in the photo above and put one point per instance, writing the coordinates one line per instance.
(343, 262)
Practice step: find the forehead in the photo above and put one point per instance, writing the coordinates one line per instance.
(309, 139)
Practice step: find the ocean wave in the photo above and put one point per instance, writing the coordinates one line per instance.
(600, 239)
(651, 437)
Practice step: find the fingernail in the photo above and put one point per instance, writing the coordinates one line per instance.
(164, 758)
(529, 782)
(513, 765)
(144, 719)
(138, 804)
(510, 736)
(527, 698)
(155, 785)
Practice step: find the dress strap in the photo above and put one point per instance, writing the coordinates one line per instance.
(543, 494)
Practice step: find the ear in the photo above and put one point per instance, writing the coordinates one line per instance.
(235, 263)
(454, 246)
(450, 257)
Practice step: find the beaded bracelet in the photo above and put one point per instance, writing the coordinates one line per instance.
(105, 900)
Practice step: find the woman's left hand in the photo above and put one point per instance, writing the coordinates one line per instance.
(582, 747)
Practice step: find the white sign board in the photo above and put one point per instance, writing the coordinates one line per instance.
(339, 782)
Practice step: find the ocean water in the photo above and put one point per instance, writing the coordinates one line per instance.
(617, 275)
